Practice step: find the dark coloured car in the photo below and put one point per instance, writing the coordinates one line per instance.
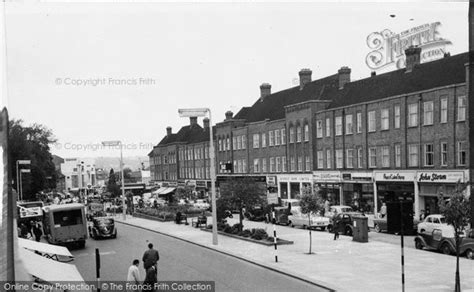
(102, 227)
(256, 213)
(343, 223)
(446, 245)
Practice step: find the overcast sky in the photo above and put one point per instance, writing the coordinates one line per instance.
(142, 62)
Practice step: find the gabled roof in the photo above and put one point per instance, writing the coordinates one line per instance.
(443, 72)
(187, 134)
(273, 106)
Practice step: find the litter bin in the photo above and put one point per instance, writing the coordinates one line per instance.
(361, 229)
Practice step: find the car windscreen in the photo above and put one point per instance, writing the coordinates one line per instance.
(105, 221)
(67, 218)
(346, 209)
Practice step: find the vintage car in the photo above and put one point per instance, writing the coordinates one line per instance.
(102, 227)
(446, 245)
(380, 225)
(343, 223)
(435, 221)
(299, 219)
(256, 213)
(334, 210)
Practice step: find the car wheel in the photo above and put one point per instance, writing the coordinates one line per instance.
(445, 249)
(348, 231)
(418, 244)
(470, 254)
(377, 228)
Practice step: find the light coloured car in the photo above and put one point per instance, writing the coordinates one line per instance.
(299, 219)
(435, 222)
(334, 210)
(201, 204)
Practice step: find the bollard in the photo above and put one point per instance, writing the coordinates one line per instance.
(275, 237)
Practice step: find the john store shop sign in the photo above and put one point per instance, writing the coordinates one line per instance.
(440, 177)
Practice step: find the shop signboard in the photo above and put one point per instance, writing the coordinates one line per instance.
(272, 198)
(172, 184)
(401, 176)
(191, 182)
(294, 178)
(327, 176)
(440, 176)
(360, 177)
(201, 183)
(271, 181)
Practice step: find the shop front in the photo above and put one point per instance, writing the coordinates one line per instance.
(290, 186)
(358, 191)
(328, 185)
(395, 186)
(272, 190)
(434, 182)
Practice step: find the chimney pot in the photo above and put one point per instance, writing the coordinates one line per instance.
(344, 75)
(193, 121)
(305, 77)
(205, 122)
(228, 115)
(168, 131)
(412, 58)
(265, 90)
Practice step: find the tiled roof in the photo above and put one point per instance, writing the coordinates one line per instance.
(187, 134)
(273, 106)
(443, 72)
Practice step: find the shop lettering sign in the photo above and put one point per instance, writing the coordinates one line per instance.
(327, 176)
(271, 180)
(440, 177)
(395, 176)
(294, 178)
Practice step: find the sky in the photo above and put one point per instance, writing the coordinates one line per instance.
(120, 71)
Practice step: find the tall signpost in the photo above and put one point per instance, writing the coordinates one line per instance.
(201, 112)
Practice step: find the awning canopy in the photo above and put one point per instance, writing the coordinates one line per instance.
(47, 269)
(158, 191)
(167, 191)
(47, 250)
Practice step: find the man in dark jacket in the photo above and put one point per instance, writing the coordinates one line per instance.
(150, 258)
(37, 231)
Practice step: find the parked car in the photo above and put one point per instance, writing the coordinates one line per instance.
(334, 210)
(380, 225)
(299, 219)
(437, 222)
(256, 213)
(446, 245)
(201, 204)
(343, 223)
(102, 227)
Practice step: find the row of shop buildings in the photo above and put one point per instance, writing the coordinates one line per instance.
(401, 134)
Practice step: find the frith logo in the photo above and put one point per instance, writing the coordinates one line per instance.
(432, 177)
(393, 176)
(389, 48)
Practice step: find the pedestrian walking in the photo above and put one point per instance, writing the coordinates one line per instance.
(383, 210)
(37, 232)
(133, 276)
(336, 234)
(150, 258)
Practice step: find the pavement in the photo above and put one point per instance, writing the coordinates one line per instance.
(341, 265)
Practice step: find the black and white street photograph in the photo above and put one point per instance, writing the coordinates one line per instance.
(227, 146)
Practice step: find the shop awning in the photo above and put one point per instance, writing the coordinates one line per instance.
(167, 191)
(58, 253)
(47, 269)
(158, 191)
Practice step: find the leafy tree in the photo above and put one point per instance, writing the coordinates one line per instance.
(238, 193)
(457, 211)
(32, 143)
(112, 186)
(310, 204)
(127, 174)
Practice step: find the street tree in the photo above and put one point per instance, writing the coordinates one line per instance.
(112, 186)
(311, 204)
(457, 212)
(32, 143)
(239, 193)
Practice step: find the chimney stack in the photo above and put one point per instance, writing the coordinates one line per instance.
(305, 77)
(228, 115)
(168, 131)
(412, 58)
(265, 90)
(205, 122)
(193, 121)
(344, 76)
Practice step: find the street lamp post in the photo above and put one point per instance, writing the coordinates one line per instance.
(201, 112)
(119, 143)
(18, 176)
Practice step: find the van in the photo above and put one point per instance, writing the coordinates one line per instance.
(65, 224)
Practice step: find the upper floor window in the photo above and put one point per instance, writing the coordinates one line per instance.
(307, 163)
(443, 110)
(396, 116)
(298, 133)
(272, 164)
(234, 143)
(278, 163)
(462, 153)
(413, 155)
(349, 158)
(461, 108)
(328, 158)
(429, 155)
(338, 125)
(428, 113)
(264, 140)
(300, 163)
(277, 137)
(306, 132)
(292, 164)
(359, 122)
(256, 141)
(219, 143)
(244, 142)
(385, 156)
(271, 138)
(339, 158)
(283, 163)
(320, 159)
(319, 129)
(264, 165)
(371, 121)
(256, 165)
(384, 116)
(444, 154)
(239, 143)
(373, 157)
(413, 115)
(328, 127)
(348, 124)
(283, 136)
(359, 157)
(292, 134)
